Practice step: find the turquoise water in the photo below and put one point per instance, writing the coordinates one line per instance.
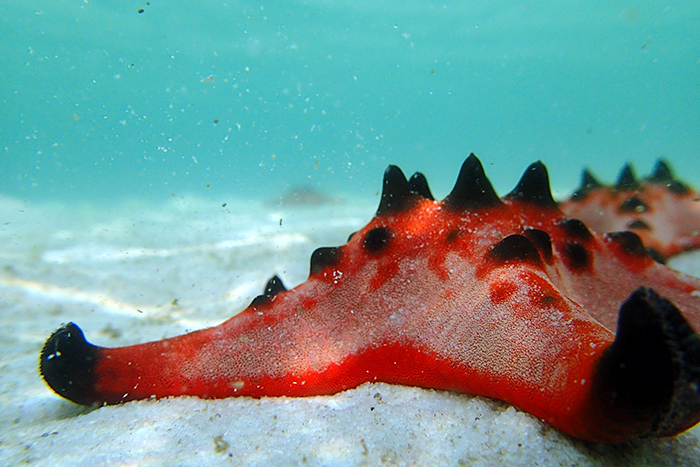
(106, 100)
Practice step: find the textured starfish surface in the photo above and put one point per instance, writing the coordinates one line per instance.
(507, 298)
(663, 211)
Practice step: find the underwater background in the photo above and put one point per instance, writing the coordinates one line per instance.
(110, 100)
(160, 160)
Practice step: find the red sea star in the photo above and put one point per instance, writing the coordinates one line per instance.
(663, 211)
(506, 298)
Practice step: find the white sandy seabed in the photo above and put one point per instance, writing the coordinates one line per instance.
(138, 273)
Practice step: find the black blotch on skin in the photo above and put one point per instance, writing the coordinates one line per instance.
(376, 239)
(324, 257)
(576, 256)
(548, 300)
(633, 204)
(576, 229)
(453, 235)
(513, 249)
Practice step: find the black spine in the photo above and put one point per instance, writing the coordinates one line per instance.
(419, 185)
(588, 183)
(534, 187)
(663, 174)
(626, 180)
(324, 257)
(273, 287)
(397, 195)
(472, 189)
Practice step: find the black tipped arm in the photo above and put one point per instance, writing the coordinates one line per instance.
(67, 364)
(650, 375)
